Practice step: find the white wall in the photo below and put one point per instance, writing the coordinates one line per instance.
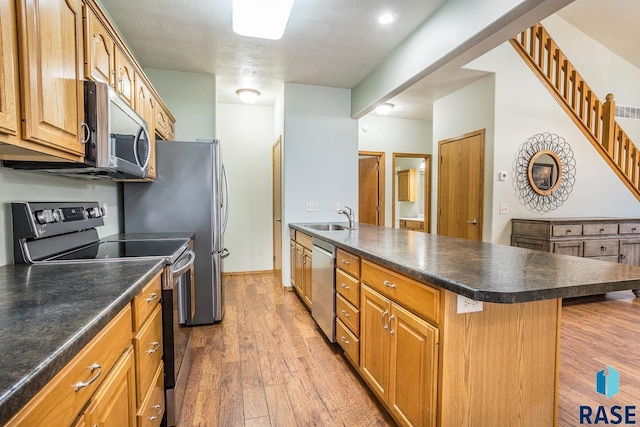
(466, 110)
(320, 156)
(391, 135)
(523, 108)
(191, 98)
(246, 133)
(21, 186)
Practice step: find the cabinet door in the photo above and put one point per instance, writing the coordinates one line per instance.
(306, 273)
(568, 248)
(8, 59)
(630, 251)
(414, 368)
(52, 73)
(298, 269)
(145, 105)
(114, 404)
(374, 340)
(99, 50)
(292, 256)
(125, 83)
(161, 122)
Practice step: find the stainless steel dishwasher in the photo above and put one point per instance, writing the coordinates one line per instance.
(323, 287)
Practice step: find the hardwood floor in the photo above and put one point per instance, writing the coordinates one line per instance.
(267, 364)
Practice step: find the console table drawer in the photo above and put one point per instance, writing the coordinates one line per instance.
(600, 248)
(597, 229)
(566, 230)
(630, 228)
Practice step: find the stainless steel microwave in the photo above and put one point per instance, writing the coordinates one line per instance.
(115, 138)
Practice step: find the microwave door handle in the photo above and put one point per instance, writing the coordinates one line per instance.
(227, 201)
(142, 130)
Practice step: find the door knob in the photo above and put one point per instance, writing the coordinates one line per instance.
(473, 221)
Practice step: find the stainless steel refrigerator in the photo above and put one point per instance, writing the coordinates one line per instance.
(190, 193)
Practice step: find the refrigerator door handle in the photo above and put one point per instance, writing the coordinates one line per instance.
(225, 253)
(227, 201)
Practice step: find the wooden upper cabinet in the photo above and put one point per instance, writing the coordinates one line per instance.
(51, 71)
(99, 50)
(125, 77)
(145, 105)
(161, 123)
(8, 59)
(406, 185)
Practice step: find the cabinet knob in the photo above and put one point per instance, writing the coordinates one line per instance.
(344, 261)
(344, 313)
(344, 286)
(622, 256)
(603, 248)
(344, 340)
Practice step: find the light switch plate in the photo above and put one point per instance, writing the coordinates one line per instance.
(504, 208)
(311, 207)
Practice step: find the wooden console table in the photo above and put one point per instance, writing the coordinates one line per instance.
(605, 239)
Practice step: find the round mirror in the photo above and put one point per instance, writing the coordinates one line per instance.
(545, 172)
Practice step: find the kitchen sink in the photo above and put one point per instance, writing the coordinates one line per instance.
(327, 227)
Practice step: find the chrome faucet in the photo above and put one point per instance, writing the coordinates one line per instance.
(349, 213)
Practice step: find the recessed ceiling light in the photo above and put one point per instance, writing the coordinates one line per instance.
(260, 18)
(384, 109)
(248, 96)
(385, 19)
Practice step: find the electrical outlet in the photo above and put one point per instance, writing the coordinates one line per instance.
(467, 305)
(504, 208)
(311, 207)
(502, 175)
(337, 207)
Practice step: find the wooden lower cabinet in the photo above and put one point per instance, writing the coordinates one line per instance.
(399, 359)
(114, 404)
(301, 251)
(307, 290)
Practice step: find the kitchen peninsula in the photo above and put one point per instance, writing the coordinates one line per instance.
(498, 366)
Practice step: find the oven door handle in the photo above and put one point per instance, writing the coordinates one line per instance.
(181, 266)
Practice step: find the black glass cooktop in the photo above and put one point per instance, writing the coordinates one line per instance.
(124, 249)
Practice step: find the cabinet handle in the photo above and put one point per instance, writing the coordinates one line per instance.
(344, 313)
(388, 284)
(633, 229)
(385, 325)
(156, 347)
(603, 248)
(602, 230)
(568, 231)
(343, 286)
(391, 331)
(344, 261)
(622, 256)
(344, 340)
(158, 412)
(152, 297)
(86, 133)
(82, 384)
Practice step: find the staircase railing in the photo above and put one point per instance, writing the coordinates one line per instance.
(594, 118)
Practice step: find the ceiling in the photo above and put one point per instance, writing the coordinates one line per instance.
(333, 43)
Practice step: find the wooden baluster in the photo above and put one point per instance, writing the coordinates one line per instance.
(566, 78)
(540, 46)
(558, 62)
(589, 110)
(597, 116)
(608, 121)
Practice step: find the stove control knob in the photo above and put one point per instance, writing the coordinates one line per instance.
(42, 216)
(94, 212)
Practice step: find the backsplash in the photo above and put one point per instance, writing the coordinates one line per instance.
(33, 186)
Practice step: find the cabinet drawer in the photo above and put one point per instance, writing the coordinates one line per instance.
(597, 229)
(147, 343)
(414, 225)
(419, 298)
(152, 409)
(601, 248)
(58, 403)
(348, 262)
(348, 314)
(349, 343)
(304, 240)
(630, 228)
(146, 301)
(348, 287)
(566, 230)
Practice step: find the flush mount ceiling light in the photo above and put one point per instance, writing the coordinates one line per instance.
(385, 18)
(384, 109)
(260, 18)
(248, 96)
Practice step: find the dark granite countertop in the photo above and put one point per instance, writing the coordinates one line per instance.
(481, 271)
(48, 313)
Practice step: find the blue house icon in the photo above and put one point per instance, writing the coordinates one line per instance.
(608, 384)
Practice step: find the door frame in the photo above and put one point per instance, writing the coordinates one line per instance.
(381, 182)
(427, 188)
(481, 133)
(277, 236)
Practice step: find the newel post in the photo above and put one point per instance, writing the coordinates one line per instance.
(608, 123)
